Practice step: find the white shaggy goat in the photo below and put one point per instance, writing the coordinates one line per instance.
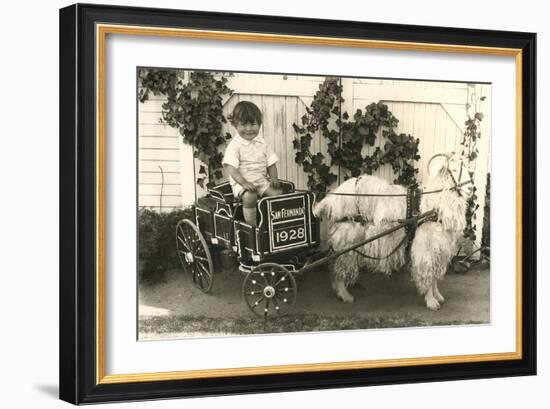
(433, 245)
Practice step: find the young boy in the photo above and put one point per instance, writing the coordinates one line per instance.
(249, 160)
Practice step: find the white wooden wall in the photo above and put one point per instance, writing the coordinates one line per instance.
(159, 156)
(434, 112)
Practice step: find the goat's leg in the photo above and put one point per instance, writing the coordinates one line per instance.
(436, 292)
(344, 274)
(431, 301)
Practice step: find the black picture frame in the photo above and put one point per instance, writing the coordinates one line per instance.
(78, 197)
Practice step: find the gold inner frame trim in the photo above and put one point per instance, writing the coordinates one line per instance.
(101, 33)
(286, 369)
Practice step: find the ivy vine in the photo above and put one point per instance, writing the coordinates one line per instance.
(470, 152)
(159, 82)
(325, 104)
(346, 138)
(195, 108)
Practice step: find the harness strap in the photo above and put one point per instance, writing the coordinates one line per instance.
(457, 187)
(413, 206)
(357, 199)
(455, 183)
(356, 219)
(388, 255)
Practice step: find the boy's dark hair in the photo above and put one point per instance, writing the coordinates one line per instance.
(245, 112)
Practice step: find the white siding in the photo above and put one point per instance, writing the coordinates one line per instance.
(159, 159)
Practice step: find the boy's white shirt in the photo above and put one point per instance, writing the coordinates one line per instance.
(251, 158)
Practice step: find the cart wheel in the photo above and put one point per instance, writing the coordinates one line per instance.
(269, 289)
(195, 254)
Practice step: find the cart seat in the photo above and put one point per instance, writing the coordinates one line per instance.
(207, 202)
(222, 192)
(221, 197)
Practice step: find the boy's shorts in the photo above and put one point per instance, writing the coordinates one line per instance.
(261, 187)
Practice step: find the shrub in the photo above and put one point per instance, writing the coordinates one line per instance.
(157, 242)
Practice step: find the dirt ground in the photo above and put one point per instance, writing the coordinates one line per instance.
(467, 298)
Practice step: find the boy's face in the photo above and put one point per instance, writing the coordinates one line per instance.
(248, 131)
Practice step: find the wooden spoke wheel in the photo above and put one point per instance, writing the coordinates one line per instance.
(269, 289)
(194, 254)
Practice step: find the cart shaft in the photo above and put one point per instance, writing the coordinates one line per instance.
(416, 219)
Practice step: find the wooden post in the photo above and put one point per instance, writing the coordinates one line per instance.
(347, 106)
(483, 162)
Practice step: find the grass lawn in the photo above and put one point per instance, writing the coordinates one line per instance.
(184, 324)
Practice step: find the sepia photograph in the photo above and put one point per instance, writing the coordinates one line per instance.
(273, 203)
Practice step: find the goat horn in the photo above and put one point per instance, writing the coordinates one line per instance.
(446, 155)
